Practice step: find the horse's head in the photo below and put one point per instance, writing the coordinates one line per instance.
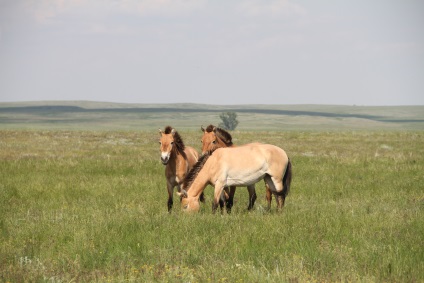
(190, 204)
(167, 143)
(209, 140)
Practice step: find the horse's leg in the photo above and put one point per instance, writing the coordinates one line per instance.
(217, 195)
(275, 185)
(230, 198)
(280, 200)
(222, 199)
(170, 188)
(268, 195)
(252, 196)
(279, 194)
(202, 197)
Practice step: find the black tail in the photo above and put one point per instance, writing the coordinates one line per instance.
(287, 179)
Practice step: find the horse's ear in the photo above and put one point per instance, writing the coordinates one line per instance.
(173, 132)
(214, 129)
(203, 130)
(183, 194)
(160, 132)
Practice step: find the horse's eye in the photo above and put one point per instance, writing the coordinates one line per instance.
(185, 206)
(214, 142)
(172, 143)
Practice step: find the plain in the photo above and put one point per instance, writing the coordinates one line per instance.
(84, 206)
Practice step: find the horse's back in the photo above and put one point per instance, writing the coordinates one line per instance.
(273, 150)
(252, 154)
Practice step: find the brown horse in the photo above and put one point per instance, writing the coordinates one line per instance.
(178, 158)
(238, 166)
(212, 139)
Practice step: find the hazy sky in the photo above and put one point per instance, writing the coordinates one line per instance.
(364, 52)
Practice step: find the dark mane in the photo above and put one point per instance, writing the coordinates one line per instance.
(222, 134)
(178, 141)
(210, 128)
(194, 171)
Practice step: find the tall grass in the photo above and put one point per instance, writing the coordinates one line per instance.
(91, 206)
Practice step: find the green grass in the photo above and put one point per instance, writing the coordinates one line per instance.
(90, 206)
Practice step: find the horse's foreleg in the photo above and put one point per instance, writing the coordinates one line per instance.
(170, 188)
(202, 197)
(217, 196)
(222, 199)
(230, 197)
(252, 196)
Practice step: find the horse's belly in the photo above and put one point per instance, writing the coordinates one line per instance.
(245, 179)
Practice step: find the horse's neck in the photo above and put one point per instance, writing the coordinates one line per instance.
(200, 182)
(221, 143)
(179, 162)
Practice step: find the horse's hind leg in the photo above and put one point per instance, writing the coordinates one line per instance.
(268, 195)
(275, 186)
(252, 196)
(280, 199)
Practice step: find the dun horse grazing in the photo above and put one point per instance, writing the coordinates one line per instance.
(179, 160)
(214, 138)
(238, 166)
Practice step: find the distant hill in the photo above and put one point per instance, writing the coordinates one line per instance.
(106, 115)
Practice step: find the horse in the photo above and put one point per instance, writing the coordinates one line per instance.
(238, 166)
(178, 159)
(212, 139)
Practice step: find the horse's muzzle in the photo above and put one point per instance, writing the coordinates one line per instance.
(164, 160)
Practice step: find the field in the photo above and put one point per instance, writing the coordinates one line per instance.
(85, 205)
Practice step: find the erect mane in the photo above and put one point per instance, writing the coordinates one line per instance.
(178, 141)
(222, 134)
(195, 171)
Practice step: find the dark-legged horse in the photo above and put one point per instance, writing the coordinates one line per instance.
(178, 159)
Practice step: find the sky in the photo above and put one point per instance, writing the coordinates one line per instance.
(213, 52)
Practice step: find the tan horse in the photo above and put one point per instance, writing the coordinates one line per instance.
(178, 158)
(212, 139)
(238, 166)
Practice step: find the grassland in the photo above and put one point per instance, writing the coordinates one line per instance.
(90, 206)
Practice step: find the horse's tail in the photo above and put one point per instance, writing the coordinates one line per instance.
(287, 179)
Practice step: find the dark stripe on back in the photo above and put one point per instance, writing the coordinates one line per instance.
(195, 171)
